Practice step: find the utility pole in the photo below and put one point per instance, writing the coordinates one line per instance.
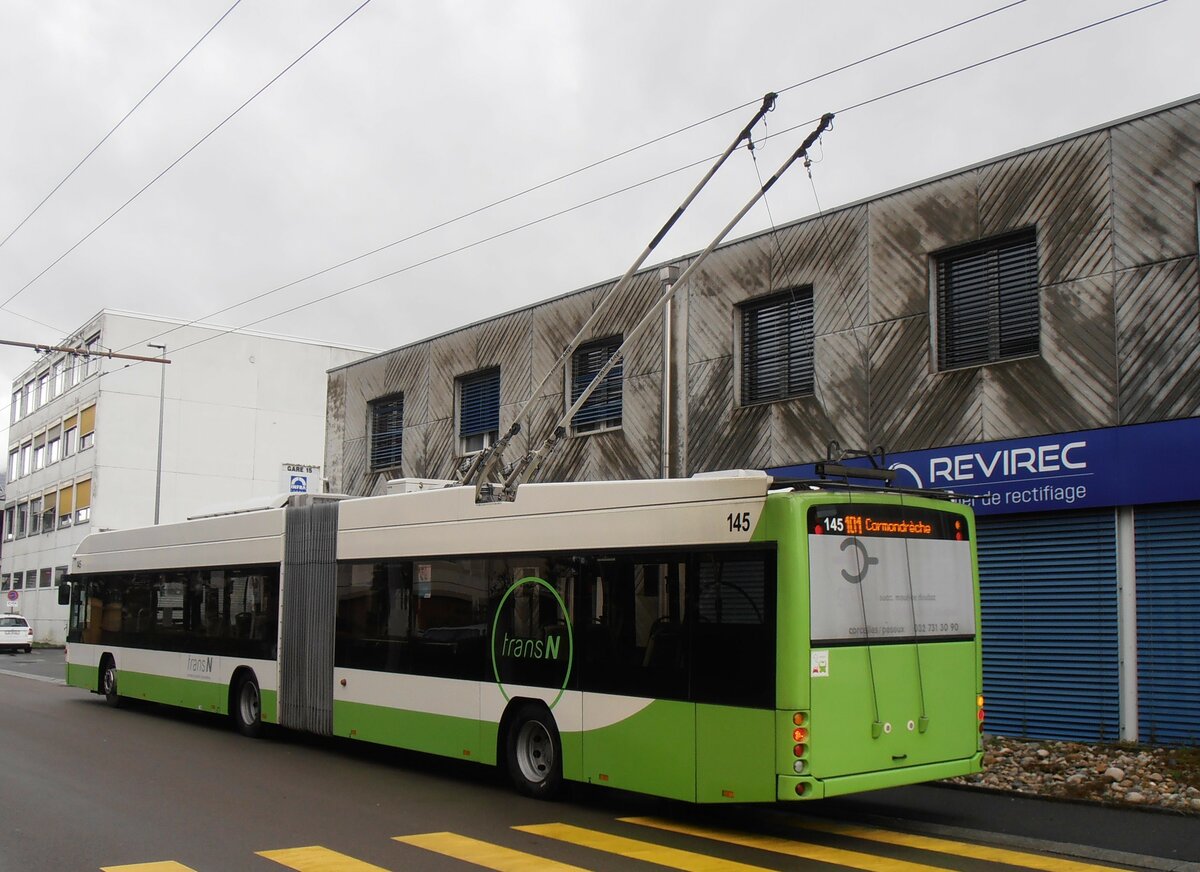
(162, 396)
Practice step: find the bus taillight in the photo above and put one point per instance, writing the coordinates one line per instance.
(801, 788)
(979, 703)
(800, 748)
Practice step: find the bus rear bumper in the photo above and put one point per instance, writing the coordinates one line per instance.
(816, 788)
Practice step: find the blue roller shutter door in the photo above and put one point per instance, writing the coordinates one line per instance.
(1168, 607)
(1049, 602)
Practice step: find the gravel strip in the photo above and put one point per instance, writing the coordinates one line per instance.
(1148, 776)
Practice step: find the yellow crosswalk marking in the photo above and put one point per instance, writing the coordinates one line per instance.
(817, 853)
(485, 854)
(164, 866)
(672, 858)
(959, 849)
(318, 859)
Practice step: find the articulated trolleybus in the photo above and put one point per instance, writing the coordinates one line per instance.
(713, 639)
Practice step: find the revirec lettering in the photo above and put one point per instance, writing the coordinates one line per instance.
(1007, 462)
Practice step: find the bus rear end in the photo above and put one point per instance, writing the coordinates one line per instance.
(880, 674)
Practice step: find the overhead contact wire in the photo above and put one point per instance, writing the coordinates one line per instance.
(117, 126)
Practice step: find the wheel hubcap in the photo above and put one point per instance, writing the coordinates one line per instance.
(535, 752)
(250, 704)
(110, 680)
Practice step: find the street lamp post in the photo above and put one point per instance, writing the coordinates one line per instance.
(162, 395)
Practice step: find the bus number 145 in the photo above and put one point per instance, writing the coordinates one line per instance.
(739, 521)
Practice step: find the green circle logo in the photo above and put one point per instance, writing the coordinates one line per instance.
(528, 647)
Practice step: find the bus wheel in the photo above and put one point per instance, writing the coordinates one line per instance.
(247, 707)
(108, 682)
(535, 753)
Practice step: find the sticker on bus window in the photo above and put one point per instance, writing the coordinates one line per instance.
(424, 580)
(820, 664)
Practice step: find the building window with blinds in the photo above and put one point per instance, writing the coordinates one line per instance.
(478, 410)
(65, 507)
(49, 510)
(602, 411)
(83, 501)
(70, 435)
(387, 432)
(987, 301)
(776, 347)
(87, 428)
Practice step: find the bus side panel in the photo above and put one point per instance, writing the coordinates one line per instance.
(735, 754)
(652, 751)
(184, 692)
(83, 665)
(87, 677)
(446, 735)
(421, 713)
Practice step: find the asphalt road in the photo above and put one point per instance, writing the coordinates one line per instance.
(86, 787)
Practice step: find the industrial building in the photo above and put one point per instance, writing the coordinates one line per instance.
(1025, 331)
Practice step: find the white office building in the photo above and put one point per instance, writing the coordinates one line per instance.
(242, 416)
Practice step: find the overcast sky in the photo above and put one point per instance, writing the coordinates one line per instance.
(412, 114)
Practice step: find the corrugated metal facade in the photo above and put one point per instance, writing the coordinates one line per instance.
(1115, 216)
(1168, 609)
(1049, 601)
(1114, 213)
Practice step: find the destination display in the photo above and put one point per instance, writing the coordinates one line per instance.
(885, 520)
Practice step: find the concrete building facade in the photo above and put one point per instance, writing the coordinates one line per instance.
(242, 415)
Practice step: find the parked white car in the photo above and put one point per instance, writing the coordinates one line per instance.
(15, 633)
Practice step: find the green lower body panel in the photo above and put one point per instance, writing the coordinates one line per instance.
(417, 731)
(201, 695)
(653, 751)
(735, 754)
(87, 677)
(269, 700)
(817, 789)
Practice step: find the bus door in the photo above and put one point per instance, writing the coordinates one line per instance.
(638, 722)
(732, 654)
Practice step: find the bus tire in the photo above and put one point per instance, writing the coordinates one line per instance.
(247, 707)
(108, 681)
(534, 752)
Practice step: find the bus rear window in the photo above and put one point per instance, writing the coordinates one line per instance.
(887, 573)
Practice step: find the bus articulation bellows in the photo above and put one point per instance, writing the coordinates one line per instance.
(721, 638)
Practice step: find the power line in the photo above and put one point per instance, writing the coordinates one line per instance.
(104, 139)
(179, 159)
(650, 180)
(660, 176)
(540, 185)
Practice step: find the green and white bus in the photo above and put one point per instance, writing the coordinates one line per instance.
(721, 638)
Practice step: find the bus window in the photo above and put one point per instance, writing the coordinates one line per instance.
(733, 639)
(633, 640)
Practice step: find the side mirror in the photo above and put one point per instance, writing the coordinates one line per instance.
(64, 593)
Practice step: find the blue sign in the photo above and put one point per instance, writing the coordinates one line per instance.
(299, 484)
(1115, 466)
